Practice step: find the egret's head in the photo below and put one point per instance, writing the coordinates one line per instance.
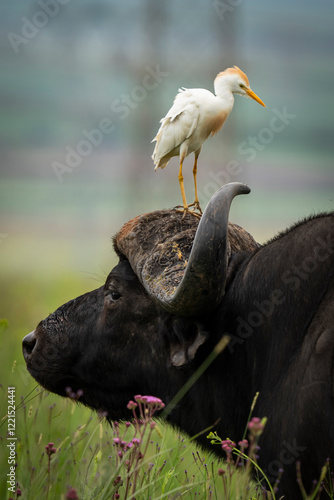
(235, 81)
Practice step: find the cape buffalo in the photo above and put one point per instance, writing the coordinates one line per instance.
(180, 287)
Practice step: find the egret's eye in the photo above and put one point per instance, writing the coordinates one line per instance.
(115, 295)
(242, 86)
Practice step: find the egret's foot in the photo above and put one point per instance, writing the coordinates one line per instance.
(196, 206)
(185, 210)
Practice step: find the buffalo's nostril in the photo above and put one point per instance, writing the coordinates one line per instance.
(28, 344)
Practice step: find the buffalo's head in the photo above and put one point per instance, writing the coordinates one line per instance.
(148, 319)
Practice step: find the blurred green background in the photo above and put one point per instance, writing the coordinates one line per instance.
(70, 67)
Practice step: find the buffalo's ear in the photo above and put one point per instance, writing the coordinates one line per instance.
(183, 349)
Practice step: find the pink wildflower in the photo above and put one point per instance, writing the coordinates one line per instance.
(72, 494)
(243, 444)
(118, 479)
(50, 449)
(255, 425)
(150, 401)
(156, 402)
(228, 445)
(131, 405)
(73, 395)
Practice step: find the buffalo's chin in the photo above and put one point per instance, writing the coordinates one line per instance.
(64, 386)
(68, 387)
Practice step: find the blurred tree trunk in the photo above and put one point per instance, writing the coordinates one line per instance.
(225, 23)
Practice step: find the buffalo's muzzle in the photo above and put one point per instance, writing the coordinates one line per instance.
(28, 344)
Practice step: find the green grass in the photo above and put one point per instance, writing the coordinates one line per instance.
(86, 458)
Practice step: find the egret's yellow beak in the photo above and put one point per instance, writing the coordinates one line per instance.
(252, 95)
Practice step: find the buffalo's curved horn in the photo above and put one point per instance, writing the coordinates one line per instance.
(203, 283)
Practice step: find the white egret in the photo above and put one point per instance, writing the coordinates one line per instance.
(195, 115)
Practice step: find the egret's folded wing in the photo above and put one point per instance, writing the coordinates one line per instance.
(178, 125)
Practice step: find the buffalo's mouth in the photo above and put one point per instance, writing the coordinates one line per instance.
(46, 372)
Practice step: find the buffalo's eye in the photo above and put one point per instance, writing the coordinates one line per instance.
(115, 295)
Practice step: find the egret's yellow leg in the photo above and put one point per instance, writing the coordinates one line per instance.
(196, 200)
(185, 205)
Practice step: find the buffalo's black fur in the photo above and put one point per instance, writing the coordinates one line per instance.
(278, 310)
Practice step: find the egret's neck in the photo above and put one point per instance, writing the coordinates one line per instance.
(223, 92)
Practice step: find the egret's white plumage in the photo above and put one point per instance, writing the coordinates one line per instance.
(195, 115)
